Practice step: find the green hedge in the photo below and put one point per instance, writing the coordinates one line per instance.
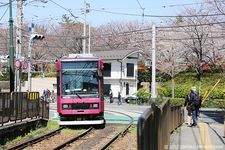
(206, 104)
(184, 82)
(177, 101)
(5, 77)
(214, 104)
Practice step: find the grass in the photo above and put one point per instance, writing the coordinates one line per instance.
(133, 129)
(52, 125)
(69, 130)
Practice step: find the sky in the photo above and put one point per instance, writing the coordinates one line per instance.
(101, 11)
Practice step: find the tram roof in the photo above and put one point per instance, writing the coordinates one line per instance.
(80, 56)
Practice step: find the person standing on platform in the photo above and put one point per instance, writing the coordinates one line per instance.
(193, 104)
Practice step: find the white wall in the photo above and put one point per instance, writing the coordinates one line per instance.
(114, 80)
(39, 84)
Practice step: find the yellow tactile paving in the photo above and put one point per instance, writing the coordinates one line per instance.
(206, 143)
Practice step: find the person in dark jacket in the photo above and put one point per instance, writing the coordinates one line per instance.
(110, 96)
(119, 99)
(193, 104)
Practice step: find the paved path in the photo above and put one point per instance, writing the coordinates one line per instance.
(133, 110)
(208, 135)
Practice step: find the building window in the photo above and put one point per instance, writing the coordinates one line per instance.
(107, 70)
(106, 88)
(130, 70)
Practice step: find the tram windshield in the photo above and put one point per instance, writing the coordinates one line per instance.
(80, 79)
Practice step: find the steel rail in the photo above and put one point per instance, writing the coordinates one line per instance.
(122, 133)
(73, 139)
(35, 140)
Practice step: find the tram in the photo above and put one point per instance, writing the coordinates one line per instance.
(79, 90)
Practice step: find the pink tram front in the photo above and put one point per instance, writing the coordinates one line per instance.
(79, 90)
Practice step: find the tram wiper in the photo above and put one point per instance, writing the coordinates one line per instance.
(78, 95)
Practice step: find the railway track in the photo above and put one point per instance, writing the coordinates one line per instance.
(66, 143)
(98, 135)
(35, 140)
(121, 133)
(70, 143)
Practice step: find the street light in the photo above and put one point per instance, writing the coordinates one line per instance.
(33, 37)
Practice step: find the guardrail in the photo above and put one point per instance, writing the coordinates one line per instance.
(156, 124)
(17, 106)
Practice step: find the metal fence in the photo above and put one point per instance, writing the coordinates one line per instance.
(17, 106)
(156, 124)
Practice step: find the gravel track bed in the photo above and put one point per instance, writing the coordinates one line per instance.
(128, 142)
(54, 141)
(95, 139)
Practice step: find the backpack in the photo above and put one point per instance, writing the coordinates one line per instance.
(195, 99)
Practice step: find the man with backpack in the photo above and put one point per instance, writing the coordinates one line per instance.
(193, 104)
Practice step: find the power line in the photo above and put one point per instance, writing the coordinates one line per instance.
(139, 4)
(182, 39)
(187, 4)
(4, 13)
(68, 10)
(5, 4)
(192, 25)
(158, 16)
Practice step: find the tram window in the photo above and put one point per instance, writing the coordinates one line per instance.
(58, 83)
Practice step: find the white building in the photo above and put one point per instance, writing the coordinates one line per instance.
(120, 71)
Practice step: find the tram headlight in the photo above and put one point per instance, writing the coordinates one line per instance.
(65, 106)
(95, 105)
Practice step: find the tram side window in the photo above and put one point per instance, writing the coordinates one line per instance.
(58, 83)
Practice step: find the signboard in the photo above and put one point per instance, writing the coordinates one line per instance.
(17, 64)
(25, 66)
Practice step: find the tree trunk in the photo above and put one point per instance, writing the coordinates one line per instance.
(172, 87)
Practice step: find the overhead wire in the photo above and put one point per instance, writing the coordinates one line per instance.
(6, 4)
(158, 16)
(188, 4)
(4, 13)
(68, 10)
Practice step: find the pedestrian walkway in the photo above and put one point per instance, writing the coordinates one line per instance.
(208, 135)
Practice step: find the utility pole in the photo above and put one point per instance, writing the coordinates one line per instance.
(153, 88)
(19, 42)
(89, 39)
(11, 49)
(86, 10)
(84, 41)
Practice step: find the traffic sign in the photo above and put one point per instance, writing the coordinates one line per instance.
(25, 65)
(17, 64)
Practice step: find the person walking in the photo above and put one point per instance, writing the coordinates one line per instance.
(119, 99)
(193, 103)
(110, 96)
(188, 108)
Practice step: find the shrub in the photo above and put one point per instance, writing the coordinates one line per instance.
(51, 74)
(5, 77)
(214, 104)
(184, 82)
(143, 95)
(177, 101)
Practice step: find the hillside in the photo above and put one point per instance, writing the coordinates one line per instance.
(185, 81)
